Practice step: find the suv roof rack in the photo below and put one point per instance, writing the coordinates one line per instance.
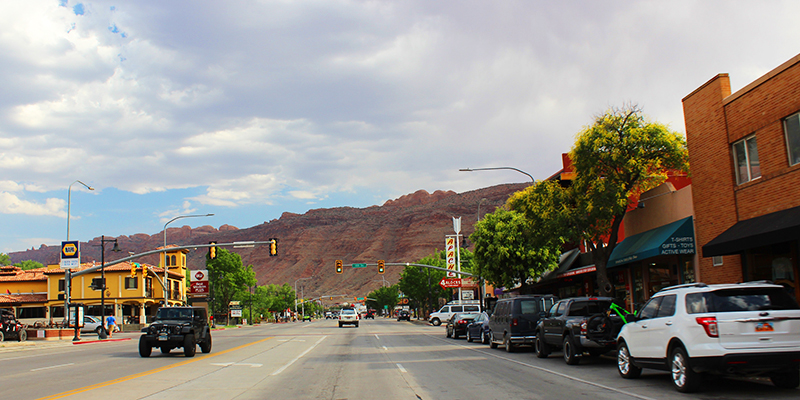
(685, 285)
(761, 282)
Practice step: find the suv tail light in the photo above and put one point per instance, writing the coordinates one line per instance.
(709, 324)
(584, 328)
(514, 322)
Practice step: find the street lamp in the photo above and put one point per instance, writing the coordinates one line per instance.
(295, 292)
(166, 285)
(68, 272)
(103, 241)
(494, 168)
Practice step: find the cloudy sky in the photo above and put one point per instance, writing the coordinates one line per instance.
(247, 109)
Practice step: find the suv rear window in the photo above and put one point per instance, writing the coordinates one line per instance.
(528, 306)
(587, 308)
(744, 299)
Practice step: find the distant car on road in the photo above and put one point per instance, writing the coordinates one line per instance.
(348, 316)
(403, 315)
(479, 329)
(306, 318)
(457, 324)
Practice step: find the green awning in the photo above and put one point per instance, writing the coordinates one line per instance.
(674, 238)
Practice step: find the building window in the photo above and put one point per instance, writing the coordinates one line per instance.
(60, 285)
(32, 312)
(791, 126)
(745, 153)
(131, 283)
(716, 260)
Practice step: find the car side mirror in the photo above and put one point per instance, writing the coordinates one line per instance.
(542, 314)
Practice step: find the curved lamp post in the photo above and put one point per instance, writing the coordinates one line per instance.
(494, 168)
(69, 200)
(68, 272)
(166, 286)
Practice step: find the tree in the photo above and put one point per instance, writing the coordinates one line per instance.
(421, 285)
(384, 296)
(4, 259)
(28, 264)
(228, 277)
(510, 248)
(619, 156)
(281, 297)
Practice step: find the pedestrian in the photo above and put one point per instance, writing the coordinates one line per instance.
(111, 323)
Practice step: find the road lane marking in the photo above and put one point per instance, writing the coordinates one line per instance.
(376, 337)
(146, 373)
(385, 348)
(237, 364)
(638, 396)
(50, 367)
(281, 369)
(400, 367)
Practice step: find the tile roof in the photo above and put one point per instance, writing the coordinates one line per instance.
(16, 274)
(17, 298)
(121, 267)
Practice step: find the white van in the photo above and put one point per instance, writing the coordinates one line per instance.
(451, 308)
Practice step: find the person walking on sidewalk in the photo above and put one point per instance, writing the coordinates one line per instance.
(111, 325)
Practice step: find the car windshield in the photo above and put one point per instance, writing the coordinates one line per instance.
(174, 313)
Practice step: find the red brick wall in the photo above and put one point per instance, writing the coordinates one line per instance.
(712, 174)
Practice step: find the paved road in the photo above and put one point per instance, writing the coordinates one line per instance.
(382, 359)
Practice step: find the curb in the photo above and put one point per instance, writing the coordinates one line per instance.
(102, 341)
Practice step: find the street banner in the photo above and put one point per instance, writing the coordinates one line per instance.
(450, 254)
(70, 254)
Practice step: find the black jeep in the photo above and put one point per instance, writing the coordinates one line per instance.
(177, 327)
(10, 327)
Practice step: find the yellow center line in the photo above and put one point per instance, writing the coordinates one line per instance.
(146, 373)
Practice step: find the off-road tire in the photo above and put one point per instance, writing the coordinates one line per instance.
(22, 335)
(144, 348)
(189, 345)
(571, 356)
(205, 346)
(2, 337)
(542, 348)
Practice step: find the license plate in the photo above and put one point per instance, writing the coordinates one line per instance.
(764, 327)
(163, 337)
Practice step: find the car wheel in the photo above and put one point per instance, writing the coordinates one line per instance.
(356, 324)
(484, 337)
(144, 348)
(436, 322)
(786, 379)
(98, 330)
(507, 343)
(455, 333)
(492, 343)
(570, 354)
(165, 349)
(23, 335)
(340, 325)
(205, 347)
(542, 349)
(189, 345)
(447, 332)
(683, 376)
(469, 337)
(625, 367)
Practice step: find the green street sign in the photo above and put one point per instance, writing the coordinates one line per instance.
(359, 265)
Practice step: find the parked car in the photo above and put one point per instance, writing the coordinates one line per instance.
(457, 324)
(514, 320)
(91, 324)
(449, 309)
(348, 316)
(11, 328)
(747, 329)
(479, 329)
(576, 326)
(403, 315)
(177, 327)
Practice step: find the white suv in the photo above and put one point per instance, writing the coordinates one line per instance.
(448, 310)
(348, 316)
(747, 329)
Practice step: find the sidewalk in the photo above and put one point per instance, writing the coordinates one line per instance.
(86, 338)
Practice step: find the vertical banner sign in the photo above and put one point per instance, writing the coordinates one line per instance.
(70, 254)
(198, 282)
(450, 254)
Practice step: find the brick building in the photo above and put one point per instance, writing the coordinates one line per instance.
(745, 159)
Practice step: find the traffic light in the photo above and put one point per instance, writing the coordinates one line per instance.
(144, 270)
(133, 270)
(273, 247)
(97, 284)
(381, 267)
(212, 251)
(339, 267)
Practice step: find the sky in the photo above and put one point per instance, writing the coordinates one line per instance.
(248, 109)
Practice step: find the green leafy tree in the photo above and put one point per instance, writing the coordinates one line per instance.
(384, 296)
(510, 248)
(28, 264)
(228, 278)
(4, 259)
(281, 297)
(421, 285)
(619, 156)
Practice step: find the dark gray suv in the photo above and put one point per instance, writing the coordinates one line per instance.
(177, 327)
(514, 320)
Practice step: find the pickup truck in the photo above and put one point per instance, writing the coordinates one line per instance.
(576, 326)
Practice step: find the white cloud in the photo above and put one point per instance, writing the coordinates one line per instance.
(12, 204)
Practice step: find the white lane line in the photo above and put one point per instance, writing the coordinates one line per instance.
(377, 337)
(51, 367)
(385, 348)
(400, 367)
(237, 364)
(298, 357)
